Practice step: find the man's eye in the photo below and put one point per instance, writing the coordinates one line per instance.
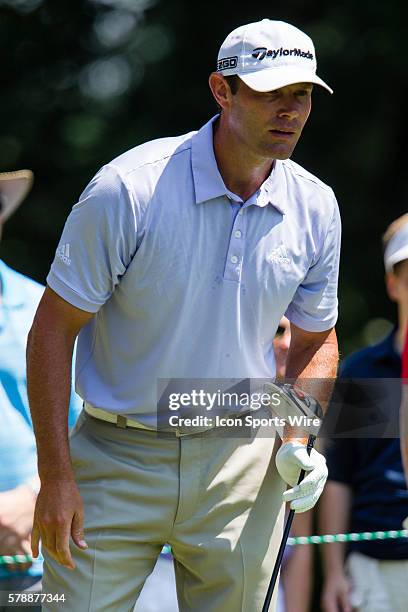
(273, 96)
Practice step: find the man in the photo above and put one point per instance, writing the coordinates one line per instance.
(19, 483)
(366, 489)
(178, 262)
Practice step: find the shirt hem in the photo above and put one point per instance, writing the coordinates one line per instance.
(69, 295)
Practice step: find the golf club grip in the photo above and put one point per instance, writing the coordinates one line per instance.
(285, 536)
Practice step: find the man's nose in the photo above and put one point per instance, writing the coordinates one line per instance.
(288, 113)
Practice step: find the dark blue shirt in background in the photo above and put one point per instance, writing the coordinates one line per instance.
(373, 467)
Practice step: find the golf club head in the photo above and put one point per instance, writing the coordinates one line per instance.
(299, 410)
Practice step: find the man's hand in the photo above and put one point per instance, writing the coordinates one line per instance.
(16, 521)
(335, 595)
(291, 458)
(58, 515)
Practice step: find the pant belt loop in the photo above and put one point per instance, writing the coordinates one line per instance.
(121, 421)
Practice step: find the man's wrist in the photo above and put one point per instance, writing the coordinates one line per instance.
(295, 440)
(334, 570)
(334, 560)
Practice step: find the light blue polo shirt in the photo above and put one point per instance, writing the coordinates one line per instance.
(183, 288)
(18, 457)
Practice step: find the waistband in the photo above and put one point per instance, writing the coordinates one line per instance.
(123, 422)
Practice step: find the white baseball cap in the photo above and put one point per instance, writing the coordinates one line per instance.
(14, 187)
(397, 248)
(268, 55)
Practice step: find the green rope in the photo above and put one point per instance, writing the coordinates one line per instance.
(314, 539)
(8, 559)
(349, 537)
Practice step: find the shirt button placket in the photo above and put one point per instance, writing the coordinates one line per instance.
(236, 249)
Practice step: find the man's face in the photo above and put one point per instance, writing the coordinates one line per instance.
(397, 284)
(269, 124)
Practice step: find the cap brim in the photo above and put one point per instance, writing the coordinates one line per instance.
(400, 255)
(274, 78)
(14, 186)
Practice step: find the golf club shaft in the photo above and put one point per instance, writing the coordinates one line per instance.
(288, 525)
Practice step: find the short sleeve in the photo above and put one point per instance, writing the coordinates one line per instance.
(341, 460)
(314, 306)
(97, 244)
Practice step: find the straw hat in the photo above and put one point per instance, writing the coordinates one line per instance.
(14, 186)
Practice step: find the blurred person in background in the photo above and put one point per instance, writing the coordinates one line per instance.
(19, 482)
(404, 409)
(404, 415)
(366, 490)
(295, 586)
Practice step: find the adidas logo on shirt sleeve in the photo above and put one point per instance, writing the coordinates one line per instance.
(63, 253)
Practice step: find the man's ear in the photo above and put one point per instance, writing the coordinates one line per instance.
(220, 89)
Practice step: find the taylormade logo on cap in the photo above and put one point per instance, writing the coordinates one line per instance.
(268, 55)
(261, 52)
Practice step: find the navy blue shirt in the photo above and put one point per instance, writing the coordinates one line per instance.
(373, 467)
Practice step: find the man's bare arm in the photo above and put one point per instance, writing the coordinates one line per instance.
(334, 517)
(312, 364)
(312, 355)
(49, 364)
(298, 570)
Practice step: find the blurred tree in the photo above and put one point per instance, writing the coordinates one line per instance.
(84, 80)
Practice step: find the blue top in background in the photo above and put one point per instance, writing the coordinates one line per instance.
(18, 460)
(373, 467)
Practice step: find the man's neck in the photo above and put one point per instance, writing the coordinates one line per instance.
(242, 172)
(399, 338)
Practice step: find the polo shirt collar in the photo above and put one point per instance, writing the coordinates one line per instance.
(11, 291)
(208, 182)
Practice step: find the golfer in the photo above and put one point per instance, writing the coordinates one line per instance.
(178, 262)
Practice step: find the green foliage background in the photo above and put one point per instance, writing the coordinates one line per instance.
(84, 80)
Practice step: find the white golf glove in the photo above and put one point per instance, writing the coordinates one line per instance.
(291, 458)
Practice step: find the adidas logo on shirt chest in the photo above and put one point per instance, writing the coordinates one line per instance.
(278, 255)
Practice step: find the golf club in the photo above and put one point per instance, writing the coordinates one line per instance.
(294, 401)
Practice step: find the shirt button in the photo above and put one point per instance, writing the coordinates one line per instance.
(234, 259)
(238, 234)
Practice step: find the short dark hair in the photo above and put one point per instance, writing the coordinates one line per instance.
(233, 81)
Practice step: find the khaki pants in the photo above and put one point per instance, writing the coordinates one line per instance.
(377, 586)
(216, 500)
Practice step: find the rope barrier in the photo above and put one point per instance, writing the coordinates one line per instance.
(314, 539)
(7, 559)
(349, 537)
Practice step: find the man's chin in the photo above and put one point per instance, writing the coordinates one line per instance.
(280, 151)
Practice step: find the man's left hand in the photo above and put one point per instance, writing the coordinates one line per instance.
(291, 458)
